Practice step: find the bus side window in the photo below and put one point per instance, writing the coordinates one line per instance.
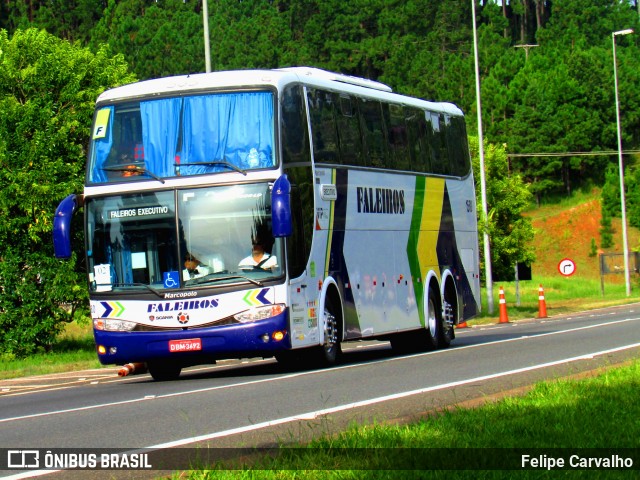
(295, 136)
(373, 132)
(458, 147)
(417, 132)
(399, 155)
(323, 127)
(437, 143)
(350, 139)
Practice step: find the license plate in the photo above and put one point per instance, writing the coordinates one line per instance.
(187, 345)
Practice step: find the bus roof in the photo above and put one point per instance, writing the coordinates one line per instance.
(261, 78)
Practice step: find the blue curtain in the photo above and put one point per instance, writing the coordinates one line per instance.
(160, 129)
(122, 251)
(236, 128)
(102, 147)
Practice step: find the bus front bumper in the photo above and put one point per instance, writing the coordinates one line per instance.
(198, 345)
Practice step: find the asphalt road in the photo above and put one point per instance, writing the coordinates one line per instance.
(256, 403)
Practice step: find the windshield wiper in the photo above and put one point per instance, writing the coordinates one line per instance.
(144, 285)
(210, 279)
(134, 169)
(224, 163)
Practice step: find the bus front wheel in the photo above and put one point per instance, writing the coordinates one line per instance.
(331, 348)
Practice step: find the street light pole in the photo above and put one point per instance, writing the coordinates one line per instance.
(483, 185)
(625, 245)
(207, 48)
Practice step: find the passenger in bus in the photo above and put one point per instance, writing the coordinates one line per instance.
(193, 268)
(259, 258)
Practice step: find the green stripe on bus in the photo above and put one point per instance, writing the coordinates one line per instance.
(412, 246)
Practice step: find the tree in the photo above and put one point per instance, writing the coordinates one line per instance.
(632, 193)
(72, 20)
(510, 233)
(610, 195)
(47, 92)
(157, 38)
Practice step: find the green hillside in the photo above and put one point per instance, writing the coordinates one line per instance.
(566, 230)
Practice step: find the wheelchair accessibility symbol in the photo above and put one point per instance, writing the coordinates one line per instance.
(171, 279)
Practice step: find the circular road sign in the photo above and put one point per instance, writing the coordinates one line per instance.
(567, 267)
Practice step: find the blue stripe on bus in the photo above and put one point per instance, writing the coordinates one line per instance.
(337, 264)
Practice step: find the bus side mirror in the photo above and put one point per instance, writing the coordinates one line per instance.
(281, 223)
(62, 227)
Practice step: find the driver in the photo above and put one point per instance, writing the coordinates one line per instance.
(193, 268)
(259, 257)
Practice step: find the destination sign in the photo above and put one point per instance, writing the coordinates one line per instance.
(137, 212)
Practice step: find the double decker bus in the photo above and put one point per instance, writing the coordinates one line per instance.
(273, 213)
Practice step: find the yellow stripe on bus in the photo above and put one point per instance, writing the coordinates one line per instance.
(430, 226)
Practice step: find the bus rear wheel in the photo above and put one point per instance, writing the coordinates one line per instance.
(163, 371)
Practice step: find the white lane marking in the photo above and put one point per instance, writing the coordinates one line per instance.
(538, 335)
(313, 372)
(327, 411)
(318, 413)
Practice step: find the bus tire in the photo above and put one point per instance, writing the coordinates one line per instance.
(424, 339)
(433, 321)
(329, 352)
(447, 333)
(163, 371)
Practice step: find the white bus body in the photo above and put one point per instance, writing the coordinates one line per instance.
(363, 199)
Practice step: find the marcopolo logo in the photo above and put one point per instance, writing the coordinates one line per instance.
(380, 200)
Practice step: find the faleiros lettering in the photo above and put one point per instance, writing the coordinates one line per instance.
(185, 305)
(380, 200)
(138, 212)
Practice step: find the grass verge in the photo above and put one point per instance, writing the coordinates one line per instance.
(75, 350)
(594, 413)
(563, 295)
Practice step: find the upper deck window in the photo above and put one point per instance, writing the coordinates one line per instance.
(181, 136)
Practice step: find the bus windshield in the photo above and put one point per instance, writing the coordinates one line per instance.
(182, 238)
(182, 136)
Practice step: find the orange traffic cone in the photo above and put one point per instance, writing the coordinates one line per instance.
(504, 318)
(130, 368)
(542, 304)
(462, 325)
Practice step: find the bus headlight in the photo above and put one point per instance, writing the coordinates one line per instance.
(113, 325)
(259, 313)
